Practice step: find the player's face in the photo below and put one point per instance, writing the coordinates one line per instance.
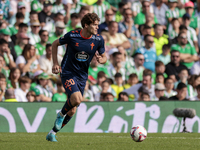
(93, 27)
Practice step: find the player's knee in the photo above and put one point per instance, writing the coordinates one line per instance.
(72, 112)
(76, 99)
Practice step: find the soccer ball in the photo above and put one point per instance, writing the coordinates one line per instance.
(138, 133)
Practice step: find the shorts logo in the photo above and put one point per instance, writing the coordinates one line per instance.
(82, 56)
(77, 44)
(68, 84)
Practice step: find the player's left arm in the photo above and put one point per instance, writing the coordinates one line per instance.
(101, 55)
(101, 58)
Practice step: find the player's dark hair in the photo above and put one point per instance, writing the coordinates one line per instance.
(116, 53)
(33, 12)
(74, 15)
(23, 25)
(182, 27)
(41, 31)
(89, 18)
(181, 85)
(48, 45)
(117, 75)
(2, 41)
(133, 75)
(101, 74)
(2, 76)
(121, 4)
(159, 63)
(146, 36)
(19, 15)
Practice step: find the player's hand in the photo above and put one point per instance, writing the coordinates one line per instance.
(99, 58)
(56, 69)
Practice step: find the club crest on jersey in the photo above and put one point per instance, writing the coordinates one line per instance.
(92, 45)
(82, 56)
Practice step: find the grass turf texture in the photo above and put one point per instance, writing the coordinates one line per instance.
(99, 141)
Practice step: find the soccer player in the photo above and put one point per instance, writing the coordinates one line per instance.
(81, 47)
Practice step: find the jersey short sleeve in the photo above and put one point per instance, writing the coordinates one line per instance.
(101, 48)
(65, 39)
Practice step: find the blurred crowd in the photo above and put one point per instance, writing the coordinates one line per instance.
(152, 48)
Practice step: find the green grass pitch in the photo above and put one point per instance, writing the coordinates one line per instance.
(99, 141)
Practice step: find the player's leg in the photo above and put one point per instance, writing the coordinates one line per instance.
(75, 92)
(69, 116)
(52, 133)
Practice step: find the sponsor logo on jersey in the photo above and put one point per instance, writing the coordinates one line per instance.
(75, 35)
(82, 56)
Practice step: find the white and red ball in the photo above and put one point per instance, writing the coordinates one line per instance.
(138, 133)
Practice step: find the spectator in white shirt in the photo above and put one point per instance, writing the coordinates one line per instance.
(20, 93)
(46, 61)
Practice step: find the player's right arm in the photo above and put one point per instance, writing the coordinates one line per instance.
(61, 41)
(56, 67)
